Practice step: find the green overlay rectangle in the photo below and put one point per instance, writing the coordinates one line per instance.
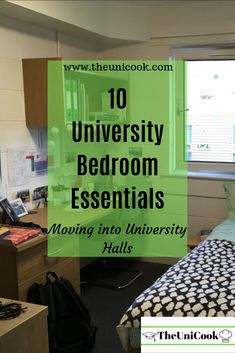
(115, 141)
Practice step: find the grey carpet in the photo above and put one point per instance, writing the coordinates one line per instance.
(107, 306)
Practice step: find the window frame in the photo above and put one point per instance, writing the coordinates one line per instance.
(197, 168)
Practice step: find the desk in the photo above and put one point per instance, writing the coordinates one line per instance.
(26, 333)
(83, 218)
(26, 263)
(40, 217)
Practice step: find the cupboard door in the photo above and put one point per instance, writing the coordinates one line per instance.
(35, 90)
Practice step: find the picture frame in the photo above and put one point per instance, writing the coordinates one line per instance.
(8, 210)
(18, 207)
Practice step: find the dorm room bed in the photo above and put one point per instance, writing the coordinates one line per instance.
(200, 284)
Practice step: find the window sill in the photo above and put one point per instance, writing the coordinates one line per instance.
(203, 174)
(207, 174)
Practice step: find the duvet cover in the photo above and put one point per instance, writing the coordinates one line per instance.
(200, 284)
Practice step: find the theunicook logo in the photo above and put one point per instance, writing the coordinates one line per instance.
(225, 335)
(150, 335)
(187, 334)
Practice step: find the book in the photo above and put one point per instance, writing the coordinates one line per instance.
(68, 100)
(75, 100)
(4, 231)
(82, 95)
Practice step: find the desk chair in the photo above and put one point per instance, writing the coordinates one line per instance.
(135, 216)
(111, 270)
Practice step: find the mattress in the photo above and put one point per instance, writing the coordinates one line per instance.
(200, 284)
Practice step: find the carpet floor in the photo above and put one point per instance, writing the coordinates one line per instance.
(106, 306)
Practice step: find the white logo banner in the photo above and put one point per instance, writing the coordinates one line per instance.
(188, 334)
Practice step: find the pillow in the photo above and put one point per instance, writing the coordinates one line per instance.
(230, 194)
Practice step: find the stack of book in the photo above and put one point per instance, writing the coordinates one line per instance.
(76, 101)
(18, 235)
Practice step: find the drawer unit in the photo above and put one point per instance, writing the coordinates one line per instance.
(26, 333)
(22, 265)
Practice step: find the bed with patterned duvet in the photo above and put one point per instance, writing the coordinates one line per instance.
(200, 284)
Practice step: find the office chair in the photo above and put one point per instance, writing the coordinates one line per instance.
(105, 264)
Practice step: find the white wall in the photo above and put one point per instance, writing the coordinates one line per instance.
(21, 40)
(177, 25)
(113, 19)
(168, 21)
(192, 18)
(137, 20)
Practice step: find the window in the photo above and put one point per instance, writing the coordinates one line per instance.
(210, 91)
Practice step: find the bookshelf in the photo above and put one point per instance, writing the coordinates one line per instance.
(84, 94)
(87, 99)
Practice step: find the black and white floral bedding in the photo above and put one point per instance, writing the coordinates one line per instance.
(201, 284)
